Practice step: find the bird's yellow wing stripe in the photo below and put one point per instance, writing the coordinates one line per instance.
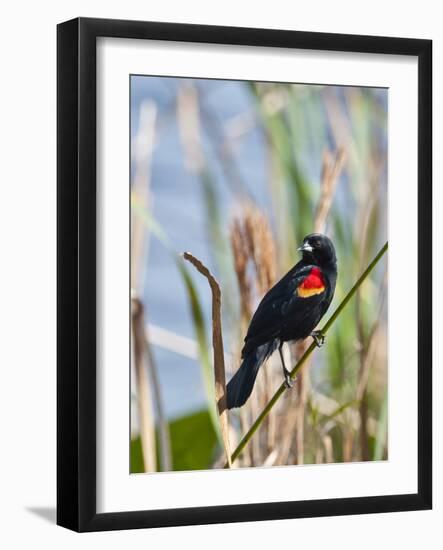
(308, 292)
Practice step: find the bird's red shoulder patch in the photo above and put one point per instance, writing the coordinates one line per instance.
(312, 284)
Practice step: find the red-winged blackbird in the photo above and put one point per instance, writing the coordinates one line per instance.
(290, 310)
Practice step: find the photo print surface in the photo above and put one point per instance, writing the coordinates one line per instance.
(278, 193)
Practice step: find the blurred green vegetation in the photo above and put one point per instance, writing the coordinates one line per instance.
(193, 444)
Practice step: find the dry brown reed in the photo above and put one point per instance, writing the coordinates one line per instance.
(217, 346)
(144, 393)
(332, 166)
(254, 257)
(366, 342)
(261, 248)
(188, 116)
(148, 392)
(240, 254)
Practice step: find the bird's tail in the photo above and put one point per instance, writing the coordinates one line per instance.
(240, 386)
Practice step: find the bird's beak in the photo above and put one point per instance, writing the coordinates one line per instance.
(305, 247)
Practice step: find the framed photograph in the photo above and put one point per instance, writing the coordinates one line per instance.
(244, 274)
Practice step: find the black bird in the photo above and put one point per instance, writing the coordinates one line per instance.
(290, 310)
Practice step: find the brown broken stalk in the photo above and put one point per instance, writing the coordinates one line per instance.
(217, 344)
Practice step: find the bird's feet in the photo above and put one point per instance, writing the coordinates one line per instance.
(319, 337)
(289, 382)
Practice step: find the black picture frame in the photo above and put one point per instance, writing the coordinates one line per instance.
(76, 273)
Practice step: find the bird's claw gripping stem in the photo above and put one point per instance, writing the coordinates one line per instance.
(319, 338)
(289, 382)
